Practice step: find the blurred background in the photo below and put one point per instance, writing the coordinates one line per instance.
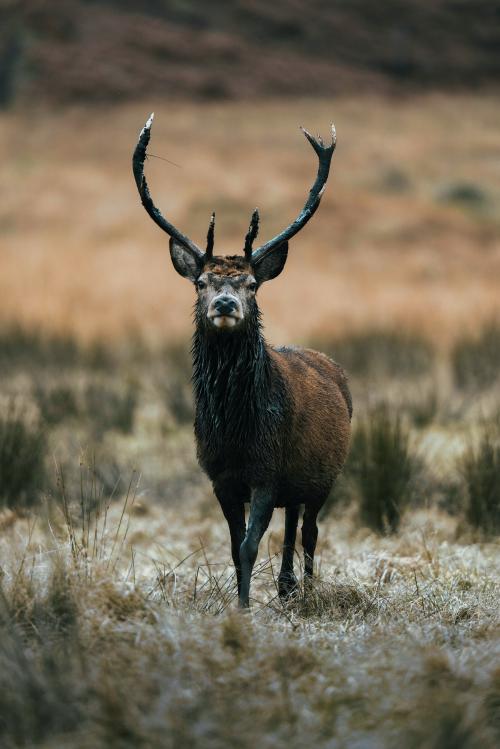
(396, 277)
(408, 230)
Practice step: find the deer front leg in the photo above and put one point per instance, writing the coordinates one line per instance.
(232, 503)
(287, 582)
(261, 510)
(235, 516)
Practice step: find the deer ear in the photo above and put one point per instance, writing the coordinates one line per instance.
(185, 261)
(271, 265)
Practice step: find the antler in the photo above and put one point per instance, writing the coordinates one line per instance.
(324, 154)
(253, 230)
(138, 166)
(210, 238)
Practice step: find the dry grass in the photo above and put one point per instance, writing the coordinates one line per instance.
(114, 641)
(387, 248)
(118, 618)
(481, 471)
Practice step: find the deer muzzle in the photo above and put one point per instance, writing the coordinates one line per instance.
(225, 311)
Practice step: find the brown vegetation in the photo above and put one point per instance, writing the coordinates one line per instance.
(114, 50)
(387, 249)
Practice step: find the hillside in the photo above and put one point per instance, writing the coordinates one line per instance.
(118, 50)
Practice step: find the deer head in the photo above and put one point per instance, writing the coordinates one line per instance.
(226, 286)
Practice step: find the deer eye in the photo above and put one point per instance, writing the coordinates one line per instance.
(252, 286)
(201, 285)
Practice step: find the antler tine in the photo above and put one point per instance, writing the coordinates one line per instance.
(324, 154)
(253, 230)
(210, 238)
(138, 167)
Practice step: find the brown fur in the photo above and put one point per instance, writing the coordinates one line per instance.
(229, 266)
(318, 439)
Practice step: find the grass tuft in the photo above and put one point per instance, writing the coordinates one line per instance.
(23, 449)
(56, 404)
(480, 468)
(423, 409)
(381, 465)
(39, 690)
(476, 360)
(381, 353)
(177, 385)
(330, 599)
(110, 409)
(25, 348)
(447, 712)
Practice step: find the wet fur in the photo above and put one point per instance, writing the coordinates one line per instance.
(269, 417)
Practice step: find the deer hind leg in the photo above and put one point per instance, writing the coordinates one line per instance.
(261, 510)
(287, 582)
(309, 539)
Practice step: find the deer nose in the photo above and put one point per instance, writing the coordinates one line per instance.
(225, 304)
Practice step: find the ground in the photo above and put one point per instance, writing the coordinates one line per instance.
(397, 645)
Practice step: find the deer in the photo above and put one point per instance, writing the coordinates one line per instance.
(272, 425)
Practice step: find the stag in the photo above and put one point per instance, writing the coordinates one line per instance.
(272, 425)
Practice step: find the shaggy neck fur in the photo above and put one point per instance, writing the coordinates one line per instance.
(232, 383)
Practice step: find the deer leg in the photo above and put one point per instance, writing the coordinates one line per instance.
(261, 510)
(309, 539)
(235, 516)
(287, 582)
(232, 502)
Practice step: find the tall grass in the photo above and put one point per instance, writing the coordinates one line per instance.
(381, 353)
(381, 466)
(25, 348)
(176, 384)
(475, 360)
(57, 403)
(480, 469)
(23, 449)
(109, 408)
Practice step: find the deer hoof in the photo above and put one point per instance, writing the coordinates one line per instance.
(287, 585)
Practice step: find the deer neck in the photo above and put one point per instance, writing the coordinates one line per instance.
(231, 378)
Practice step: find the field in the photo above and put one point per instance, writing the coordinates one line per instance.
(118, 619)
(407, 233)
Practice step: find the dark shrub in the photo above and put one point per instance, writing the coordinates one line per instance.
(179, 400)
(381, 353)
(447, 492)
(56, 404)
(22, 348)
(382, 466)
(40, 660)
(466, 194)
(177, 383)
(107, 408)
(423, 409)
(109, 478)
(480, 468)
(23, 449)
(476, 360)
(178, 360)
(98, 355)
